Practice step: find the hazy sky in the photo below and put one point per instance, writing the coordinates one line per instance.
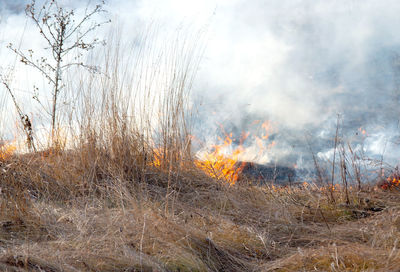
(295, 63)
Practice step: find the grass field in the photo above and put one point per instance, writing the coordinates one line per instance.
(119, 188)
(87, 210)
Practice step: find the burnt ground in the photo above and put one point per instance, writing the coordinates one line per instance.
(268, 174)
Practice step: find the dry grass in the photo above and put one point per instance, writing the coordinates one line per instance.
(126, 195)
(60, 213)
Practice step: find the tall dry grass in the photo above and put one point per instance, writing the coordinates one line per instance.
(121, 192)
(58, 214)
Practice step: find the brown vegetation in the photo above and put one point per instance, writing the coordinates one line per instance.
(85, 210)
(121, 190)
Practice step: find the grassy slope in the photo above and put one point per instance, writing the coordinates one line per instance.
(71, 212)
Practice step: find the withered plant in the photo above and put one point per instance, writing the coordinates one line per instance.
(68, 36)
(125, 197)
(24, 118)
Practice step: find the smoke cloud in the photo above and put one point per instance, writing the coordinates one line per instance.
(298, 64)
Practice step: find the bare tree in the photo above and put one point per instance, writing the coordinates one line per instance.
(67, 38)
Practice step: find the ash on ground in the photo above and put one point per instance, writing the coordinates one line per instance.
(267, 174)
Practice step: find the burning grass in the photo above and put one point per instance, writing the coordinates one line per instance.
(218, 165)
(116, 201)
(99, 216)
(223, 161)
(6, 150)
(392, 182)
(118, 204)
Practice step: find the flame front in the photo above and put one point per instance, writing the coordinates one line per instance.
(6, 151)
(218, 165)
(223, 161)
(157, 157)
(227, 163)
(391, 182)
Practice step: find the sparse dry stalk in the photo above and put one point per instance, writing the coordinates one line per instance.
(356, 166)
(343, 172)
(25, 120)
(334, 157)
(66, 37)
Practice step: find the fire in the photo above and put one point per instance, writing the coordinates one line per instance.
(221, 166)
(362, 131)
(391, 182)
(157, 157)
(267, 127)
(7, 150)
(161, 155)
(260, 145)
(331, 188)
(271, 145)
(223, 161)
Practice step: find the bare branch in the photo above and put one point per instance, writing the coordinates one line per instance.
(56, 24)
(30, 11)
(97, 9)
(29, 62)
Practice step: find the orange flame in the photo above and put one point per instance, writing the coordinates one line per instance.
(260, 145)
(216, 164)
(6, 151)
(267, 126)
(391, 182)
(224, 165)
(161, 155)
(362, 131)
(157, 156)
(271, 145)
(222, 162)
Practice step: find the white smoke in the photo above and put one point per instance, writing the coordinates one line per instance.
(295, 63)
